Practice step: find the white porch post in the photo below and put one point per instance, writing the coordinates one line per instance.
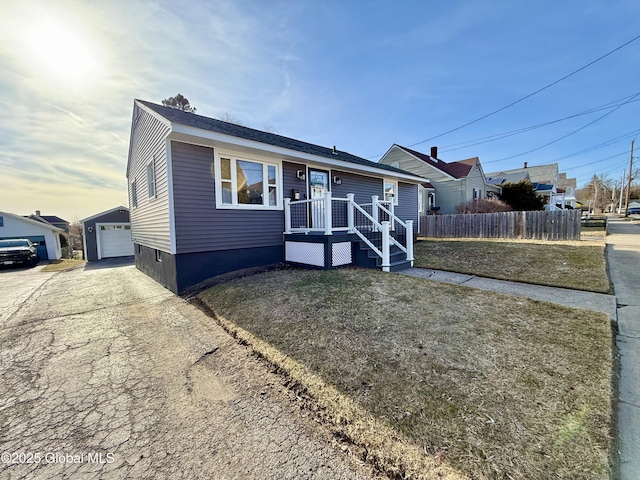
(393, 217)
(327, 213)
(410, 241)
(374, 210)
(385, 247)
(287, 215)
(350, 222)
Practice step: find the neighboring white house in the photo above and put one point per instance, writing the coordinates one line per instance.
(47, 236)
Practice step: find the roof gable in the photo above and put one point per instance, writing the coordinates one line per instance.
(30, 221)
(104, 213)
(218, 126)
(456, 170)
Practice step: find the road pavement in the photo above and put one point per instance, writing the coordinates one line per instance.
(623, 255)
(106, 374)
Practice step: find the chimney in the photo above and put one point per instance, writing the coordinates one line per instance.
(434, 152)
(525, 164)
(38, 213)
(335, 152)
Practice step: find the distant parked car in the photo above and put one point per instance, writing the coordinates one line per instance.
(634, 211)
(18, 250)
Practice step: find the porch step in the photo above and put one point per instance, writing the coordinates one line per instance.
(367, 258)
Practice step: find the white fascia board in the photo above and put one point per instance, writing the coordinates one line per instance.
(154, 114)
(231, 140)
(103, 213)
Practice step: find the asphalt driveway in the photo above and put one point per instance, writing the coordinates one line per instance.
(106, 374)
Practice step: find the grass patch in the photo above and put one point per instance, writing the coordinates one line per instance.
(435, 380)
(577, 265)
(62, 264)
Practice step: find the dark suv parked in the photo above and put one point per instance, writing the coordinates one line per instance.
(18, 250)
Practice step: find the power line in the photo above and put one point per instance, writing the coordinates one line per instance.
(500, 136)
(531, 94)
(525, 97)
(564, 136)
(597, 161)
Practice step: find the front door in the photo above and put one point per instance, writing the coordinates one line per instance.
(318, 186)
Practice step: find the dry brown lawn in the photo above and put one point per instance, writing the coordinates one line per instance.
(432, 380)
(577, 265)
(62, 264)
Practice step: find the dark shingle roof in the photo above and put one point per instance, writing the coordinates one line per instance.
(456, 169)
(53, 219)
(218, 126)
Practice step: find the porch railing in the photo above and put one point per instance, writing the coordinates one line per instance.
(374, 223)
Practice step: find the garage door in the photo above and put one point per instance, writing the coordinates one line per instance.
(115, 241)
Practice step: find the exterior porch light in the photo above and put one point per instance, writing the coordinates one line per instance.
(301, 175)
(337, 180)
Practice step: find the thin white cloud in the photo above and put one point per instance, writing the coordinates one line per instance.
(71, 114)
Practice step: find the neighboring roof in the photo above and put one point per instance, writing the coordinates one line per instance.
(540, 173)
(218, 126)
(542, 187)
(456, 170)
(500, 177)
(428, 185)
(103, 213)
(37, 223)
(53, 219)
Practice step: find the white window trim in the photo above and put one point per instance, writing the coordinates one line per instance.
(234, 181)
(152, 164)
(396, 195)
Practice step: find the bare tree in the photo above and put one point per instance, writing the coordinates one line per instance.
(227, 117)
(179, 103)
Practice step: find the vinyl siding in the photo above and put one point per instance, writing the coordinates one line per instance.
(475, 180)
(363, 187)
(150, 219)
(290, 181)
(407, 208)
(449, 195)
(200, 227)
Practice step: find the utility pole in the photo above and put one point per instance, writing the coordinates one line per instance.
(626, 211)
(621, 191)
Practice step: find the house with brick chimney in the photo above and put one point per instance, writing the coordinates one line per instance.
(450, 183)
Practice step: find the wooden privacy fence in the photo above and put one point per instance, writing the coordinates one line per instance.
(542, 225)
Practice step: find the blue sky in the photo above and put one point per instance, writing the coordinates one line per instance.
(355, 74)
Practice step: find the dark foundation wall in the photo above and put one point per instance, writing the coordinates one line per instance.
(193, 268)
(163, 272)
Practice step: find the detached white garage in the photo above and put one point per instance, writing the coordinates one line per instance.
(107, 234)
(45, 235)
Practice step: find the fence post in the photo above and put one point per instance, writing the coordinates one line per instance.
(350, 222)
(327, 213)
(287, 215)
(374, 210)
(385, 247)
(409, 233)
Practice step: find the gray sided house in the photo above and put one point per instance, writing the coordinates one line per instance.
(209, 197)
(450, 183)
(107, 234)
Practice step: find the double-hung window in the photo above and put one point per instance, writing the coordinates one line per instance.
(151, 178)
(391, 191)
(247, 183)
